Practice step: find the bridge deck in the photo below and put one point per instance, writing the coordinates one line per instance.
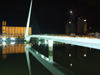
(83, 41)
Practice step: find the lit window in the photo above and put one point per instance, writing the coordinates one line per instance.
(69, 55)
(71, 12)
(69, 22)
(84, 20)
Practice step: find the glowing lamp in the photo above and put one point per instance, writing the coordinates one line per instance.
(12, 38)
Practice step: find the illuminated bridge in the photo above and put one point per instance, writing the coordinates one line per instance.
(48, 62)
(86, 42)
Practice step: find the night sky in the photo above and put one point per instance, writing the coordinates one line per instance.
(49, 16)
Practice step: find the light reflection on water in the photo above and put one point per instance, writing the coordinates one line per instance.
(47, 62)
(12, 49)
(80, 60)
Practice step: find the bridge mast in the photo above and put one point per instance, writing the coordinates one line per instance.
(28, 20)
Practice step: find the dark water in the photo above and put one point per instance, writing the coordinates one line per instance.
(79, 60)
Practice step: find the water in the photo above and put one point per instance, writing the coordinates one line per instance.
(77, 60)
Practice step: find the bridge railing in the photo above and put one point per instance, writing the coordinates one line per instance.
(65, 35)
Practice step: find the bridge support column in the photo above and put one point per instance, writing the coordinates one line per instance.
(27, 39)
(50, 45)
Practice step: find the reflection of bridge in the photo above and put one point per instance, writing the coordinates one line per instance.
(47, 62)
(86, 42)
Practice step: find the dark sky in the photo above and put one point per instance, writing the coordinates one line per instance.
(49, 16)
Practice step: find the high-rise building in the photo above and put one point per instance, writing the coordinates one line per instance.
(73, 27)
(70, 26)
(81, 26)
(85, 26)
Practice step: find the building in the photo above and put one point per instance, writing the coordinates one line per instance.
(76, 26)
(14, 31)
(70, 26)
(85, 26)
(81, 26)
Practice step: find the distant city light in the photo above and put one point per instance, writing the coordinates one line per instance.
(4, 43)
(71, 12)
(69, 55)
(84, 20)
(4, 38)
(12, 43)
(12, 38)
(69, 22)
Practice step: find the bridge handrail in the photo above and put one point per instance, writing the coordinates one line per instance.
(64, 35)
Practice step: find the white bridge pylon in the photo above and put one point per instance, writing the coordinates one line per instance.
(28, 21)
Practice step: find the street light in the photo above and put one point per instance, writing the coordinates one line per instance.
(71, 12)
(12, 38)
(4, 38)
(84, 20)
